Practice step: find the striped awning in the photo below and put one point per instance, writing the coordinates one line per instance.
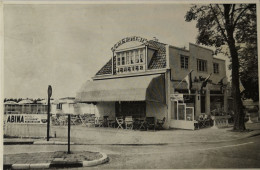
(141, 88)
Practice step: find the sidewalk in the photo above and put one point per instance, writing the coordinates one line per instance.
(111, 136)
(58, 159)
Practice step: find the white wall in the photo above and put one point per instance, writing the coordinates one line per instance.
(84, 108)
(106, 109)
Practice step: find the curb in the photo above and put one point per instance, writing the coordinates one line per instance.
(36, 143)
(59, 164)
(18, 143)
(51, 143)
(102, 160)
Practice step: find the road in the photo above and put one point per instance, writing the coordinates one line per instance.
(244, 153)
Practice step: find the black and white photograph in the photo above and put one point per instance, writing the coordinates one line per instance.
(129, 84)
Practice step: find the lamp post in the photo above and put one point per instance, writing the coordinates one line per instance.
(48, 113)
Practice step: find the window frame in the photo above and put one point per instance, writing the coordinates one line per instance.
(185, 63)
(202, 65)
(216, 69)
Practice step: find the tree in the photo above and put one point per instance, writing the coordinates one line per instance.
(248, 57)
(226, 27)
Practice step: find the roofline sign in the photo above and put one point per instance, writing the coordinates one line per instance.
(128, 39)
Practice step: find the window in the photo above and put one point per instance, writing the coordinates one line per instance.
(127, 58)
(141, 56)
(136, 57)
(201, 65)
(131, 57)
(216, 68)
(59, 106)
(118, 60)
(123, 58)
(184, 62)
(130, 61)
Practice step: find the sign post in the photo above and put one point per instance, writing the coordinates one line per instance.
(69, 134)
(48, 116)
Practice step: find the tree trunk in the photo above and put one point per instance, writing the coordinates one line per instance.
(239, 124)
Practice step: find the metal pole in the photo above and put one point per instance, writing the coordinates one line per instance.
(48, 113)
(48, 120)
(69, 134)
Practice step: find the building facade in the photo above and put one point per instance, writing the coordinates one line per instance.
(146, 78)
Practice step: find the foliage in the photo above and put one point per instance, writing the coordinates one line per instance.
(230, 29)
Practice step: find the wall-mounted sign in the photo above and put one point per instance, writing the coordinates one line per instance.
(177, 96)
(128, 39)
(26, 118)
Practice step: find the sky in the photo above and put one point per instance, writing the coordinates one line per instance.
(65, 45)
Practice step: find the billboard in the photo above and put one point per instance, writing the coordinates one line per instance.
(26, 118)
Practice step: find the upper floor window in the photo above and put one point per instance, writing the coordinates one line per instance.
(136, 56)
(184, 62)
(118, 60)
(130, 61)
(201, 65)
(127, 58)
(131, 57)
(141, 56)
(216, 68)
(59, 106)
(123, 58)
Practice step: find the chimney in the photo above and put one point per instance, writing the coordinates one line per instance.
(155, 39)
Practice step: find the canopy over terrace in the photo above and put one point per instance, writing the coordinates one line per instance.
(141, 88)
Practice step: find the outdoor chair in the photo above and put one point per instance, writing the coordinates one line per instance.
(129, 122)
(91, 120)
(100, 122)
(74, 119)
(207, 120)
(150, 122)
(142, 123)
(54, 120)
(160, 123)
(120, 122)
(83, 119)
(63, 120)
(111, 123)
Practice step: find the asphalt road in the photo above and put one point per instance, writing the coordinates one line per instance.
(244, 153)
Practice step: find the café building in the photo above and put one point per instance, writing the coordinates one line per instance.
(146, 78)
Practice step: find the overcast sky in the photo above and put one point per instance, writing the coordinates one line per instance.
(65, 45)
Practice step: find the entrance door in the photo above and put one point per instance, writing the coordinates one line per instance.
(174, 109)
(202, 104)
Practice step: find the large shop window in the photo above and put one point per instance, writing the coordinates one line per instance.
(201, 65)
(136, 109)
(216, 102)
(130, 61)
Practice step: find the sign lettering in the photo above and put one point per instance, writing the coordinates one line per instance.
(128, 39)
(26, 118)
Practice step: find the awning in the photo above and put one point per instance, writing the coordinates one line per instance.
(141, 88)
